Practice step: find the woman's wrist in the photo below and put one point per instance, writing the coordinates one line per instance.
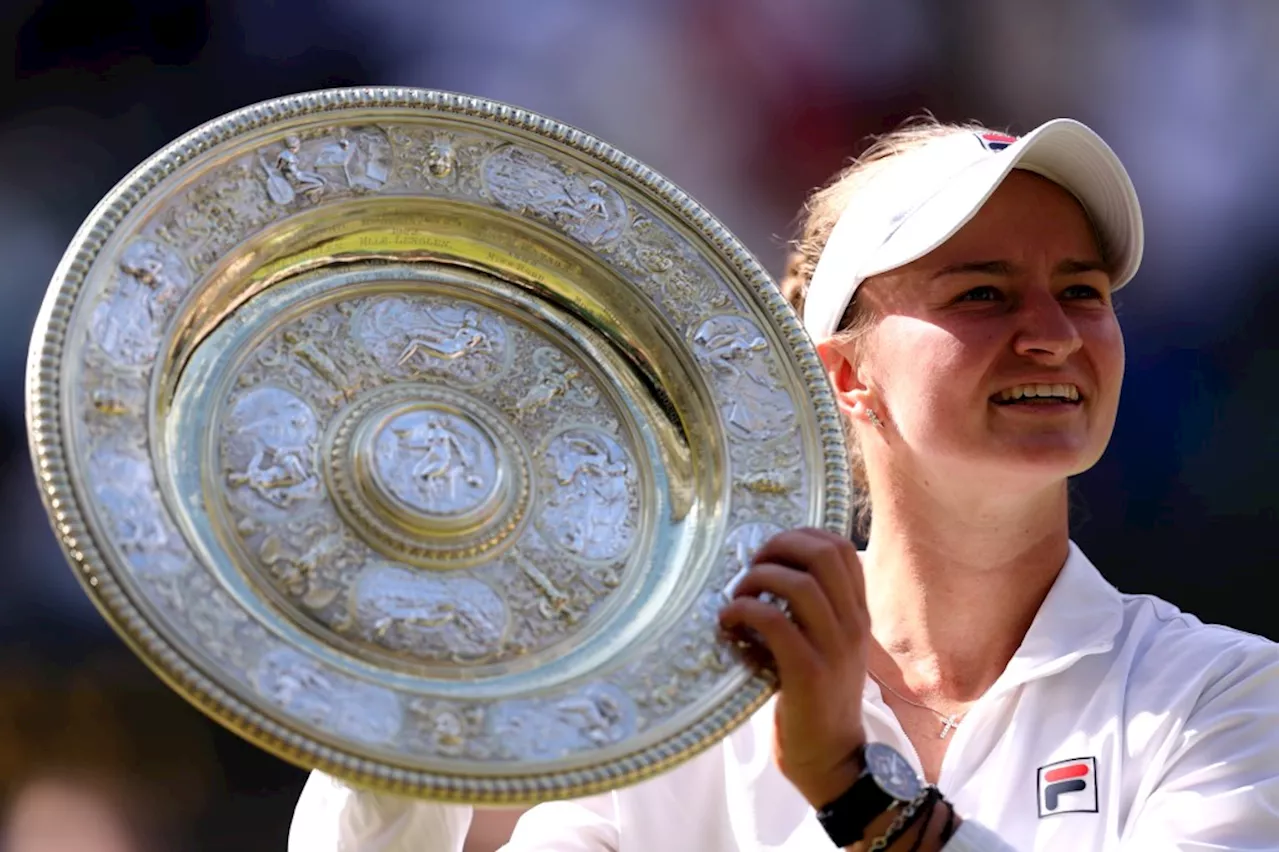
(820, 790)
(929, 831)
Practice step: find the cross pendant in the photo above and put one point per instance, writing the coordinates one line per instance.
(949, 724)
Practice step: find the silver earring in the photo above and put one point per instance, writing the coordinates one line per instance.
(874, 418)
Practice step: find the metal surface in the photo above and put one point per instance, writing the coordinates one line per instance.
(416, 438)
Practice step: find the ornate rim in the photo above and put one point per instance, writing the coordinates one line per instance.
(46, 410)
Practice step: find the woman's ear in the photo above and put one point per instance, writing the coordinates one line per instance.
(853, 396)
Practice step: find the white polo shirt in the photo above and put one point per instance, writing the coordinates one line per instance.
(1121, 723)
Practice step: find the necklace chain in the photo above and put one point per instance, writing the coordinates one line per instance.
(950, 721)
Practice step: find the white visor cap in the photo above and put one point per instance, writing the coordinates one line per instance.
(919, 199)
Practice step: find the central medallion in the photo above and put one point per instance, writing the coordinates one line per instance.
(428, 475)
(435, 462)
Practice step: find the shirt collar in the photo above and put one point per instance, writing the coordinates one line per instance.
(1080, 616)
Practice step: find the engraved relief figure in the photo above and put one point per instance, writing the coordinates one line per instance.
(546, 730)
(650, 249)
(449, 619)
(125, 486)
(127, 323)
(270, 439)
(592, 212)
(694, 656)
(523, 733)
(294, 552)
(444, 459)
(114, 397)
(687, 664)
(362, 160)
(440, 157)
(600, 714)
(770, 482)
(769, 479)
(122, 325)
(526, 179)
(553, 603)
(752, 402)
(590, 483)
(730, 347)
(296, 684)
(286, 176)
(557, 377)
(328, 701)
(223, 630)
(697, 651)
(448, 733)
(586, 209)
(436, 461)
(693, 287)
(411, 337)
(288, 161)
(335, 152)
(438, 340)
(446, 729)
(219, 211)
(654, 250)
(367, 713)
(441, 160)
(315, 358)
(159, 271)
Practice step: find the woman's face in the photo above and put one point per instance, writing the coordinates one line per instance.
(998, 355)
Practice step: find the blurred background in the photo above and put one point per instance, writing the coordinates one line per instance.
(746, 104)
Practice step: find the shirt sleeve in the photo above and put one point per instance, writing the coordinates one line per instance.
(332, 816)
(580, 825)
(973, 837)
(1219, 787)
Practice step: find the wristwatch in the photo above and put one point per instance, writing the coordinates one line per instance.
(887, 781)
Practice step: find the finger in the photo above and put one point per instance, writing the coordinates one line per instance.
(796, 658)
(830, 559)
(806, 600)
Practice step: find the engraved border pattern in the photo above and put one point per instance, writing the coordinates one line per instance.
(45, 392)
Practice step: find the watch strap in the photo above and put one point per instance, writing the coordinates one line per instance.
(846, 818)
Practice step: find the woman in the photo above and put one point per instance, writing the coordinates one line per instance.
(971, 645)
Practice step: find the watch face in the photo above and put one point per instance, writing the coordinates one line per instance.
(891, 771)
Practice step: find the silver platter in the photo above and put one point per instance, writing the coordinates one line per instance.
(416, 438)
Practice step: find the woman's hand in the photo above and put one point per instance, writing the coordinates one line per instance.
(820, 651)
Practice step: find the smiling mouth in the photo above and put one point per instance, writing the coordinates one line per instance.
(1057, 394)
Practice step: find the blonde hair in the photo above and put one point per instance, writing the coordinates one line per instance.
(816, 221)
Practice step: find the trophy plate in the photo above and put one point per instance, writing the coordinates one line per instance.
(417, 438)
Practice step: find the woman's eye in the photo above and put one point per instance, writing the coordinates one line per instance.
(1082, 291)
(985, 293)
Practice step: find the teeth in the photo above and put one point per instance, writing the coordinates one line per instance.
(1065, 391)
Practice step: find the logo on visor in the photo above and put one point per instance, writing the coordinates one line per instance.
(1069, 786)
(996, 141)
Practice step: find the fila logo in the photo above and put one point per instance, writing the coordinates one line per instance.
(1069, 786)
(996, 141)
